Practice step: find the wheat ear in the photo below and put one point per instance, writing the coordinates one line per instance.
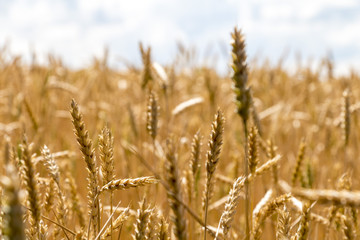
(49, 200)
(54, 173)
(303, 230)
(243, 103)
(234, 195)
(213, 156)
(141, 221)
(193, 173)
(31, 184)
(348, 228)
(152, 113)
(126, 183)
(253, 149)
(51, 165)
(163, 233)
(283, 224)
(106, 147)
(147, 72)
(240, 74)
(266, 211)
(299, 160)
(271, 153)
(230, 208)
(152, 224)
(89, 157)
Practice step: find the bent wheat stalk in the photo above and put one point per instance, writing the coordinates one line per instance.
(340, 198)
(121, 184)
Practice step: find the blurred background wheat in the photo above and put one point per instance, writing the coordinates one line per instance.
(160, 146)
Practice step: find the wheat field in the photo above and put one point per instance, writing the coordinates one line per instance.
(178, 152)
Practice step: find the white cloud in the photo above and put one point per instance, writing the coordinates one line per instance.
(310, 27)
(77, 30)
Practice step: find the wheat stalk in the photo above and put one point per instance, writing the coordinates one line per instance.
(75, 201)
(346, 117)
(174, 192)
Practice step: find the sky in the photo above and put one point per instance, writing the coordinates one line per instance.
(78, 30)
